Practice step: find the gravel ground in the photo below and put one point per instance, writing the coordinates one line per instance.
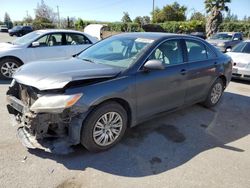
(194, 147)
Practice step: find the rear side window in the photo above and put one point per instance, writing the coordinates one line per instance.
(77, 39)
(196, 51)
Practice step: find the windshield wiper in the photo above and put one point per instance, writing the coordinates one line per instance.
(89, 60)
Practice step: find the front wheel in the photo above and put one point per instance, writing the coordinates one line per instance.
(104, 127)
(8, 67)
(214, 94)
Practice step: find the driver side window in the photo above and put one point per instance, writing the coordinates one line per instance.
(169, 52)
(50, 40)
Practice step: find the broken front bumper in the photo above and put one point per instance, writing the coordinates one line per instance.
(50, 132)
(58, 146)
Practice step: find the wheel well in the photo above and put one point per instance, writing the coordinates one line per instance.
(12, 57)
(223, 78)
(123, 103)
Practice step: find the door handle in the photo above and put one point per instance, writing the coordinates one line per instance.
(183, 71)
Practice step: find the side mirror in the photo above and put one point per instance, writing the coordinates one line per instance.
(35, 44)
(228, 49)
(154, 64)
(236, 38)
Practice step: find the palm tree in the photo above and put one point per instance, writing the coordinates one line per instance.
(214, 18)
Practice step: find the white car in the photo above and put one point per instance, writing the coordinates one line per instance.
(41, 45)
(241, 58)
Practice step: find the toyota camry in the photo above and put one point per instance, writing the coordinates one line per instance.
(115, 84)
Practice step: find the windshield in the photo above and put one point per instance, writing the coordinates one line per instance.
(243, 47)
(222, 36)
(116, 51)
(16, 27)
(26, 38)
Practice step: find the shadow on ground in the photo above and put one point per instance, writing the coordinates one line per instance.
(5, 82)
(167, 142)
(241, 81)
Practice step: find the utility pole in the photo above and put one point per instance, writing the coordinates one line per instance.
(58, 14)
(153, 13)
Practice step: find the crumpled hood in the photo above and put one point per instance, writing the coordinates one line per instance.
(239, 57)
(45, 75)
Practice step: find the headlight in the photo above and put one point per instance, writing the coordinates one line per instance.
(221, 44)
(54, 103)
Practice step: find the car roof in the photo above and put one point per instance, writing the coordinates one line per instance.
(57, 30)
(229, 33)
(152, 35)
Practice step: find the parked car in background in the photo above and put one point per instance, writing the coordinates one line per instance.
(114, 84)
(41, 45)
(241, 58)
(3, 28)
(225, 41)
(199, 34)
(20, 30)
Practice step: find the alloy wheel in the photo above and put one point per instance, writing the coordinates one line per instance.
(107, 128)
(8, 69)
(216, 93)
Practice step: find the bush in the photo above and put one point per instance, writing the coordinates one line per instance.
(169, 27)
(243, 27)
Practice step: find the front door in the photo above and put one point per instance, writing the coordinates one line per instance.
(51, 46)
(162, 90)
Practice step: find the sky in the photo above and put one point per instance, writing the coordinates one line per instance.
(108, 10)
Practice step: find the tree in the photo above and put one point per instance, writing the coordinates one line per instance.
(7, 21)
(44, 13)
(146, 20)
(28, 19)
(197, 16)
(214, 9)
(230, 17)
(172, 12)
(126, 18)
(138, 20)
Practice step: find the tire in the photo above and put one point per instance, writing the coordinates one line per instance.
(215, 93)
(93, 125)
(7, 67)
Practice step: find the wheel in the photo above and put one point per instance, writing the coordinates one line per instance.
(104, 127)
(214, 94)
(7, 67)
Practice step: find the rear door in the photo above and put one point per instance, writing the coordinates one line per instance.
(162, 90)
(202, 64)
(77, 42)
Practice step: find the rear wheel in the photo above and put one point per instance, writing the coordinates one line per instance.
(214, 94)
(7, 67)
(104, 127)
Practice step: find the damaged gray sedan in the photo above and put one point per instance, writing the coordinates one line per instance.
(115, 84)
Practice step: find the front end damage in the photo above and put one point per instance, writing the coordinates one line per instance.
(53, 131)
